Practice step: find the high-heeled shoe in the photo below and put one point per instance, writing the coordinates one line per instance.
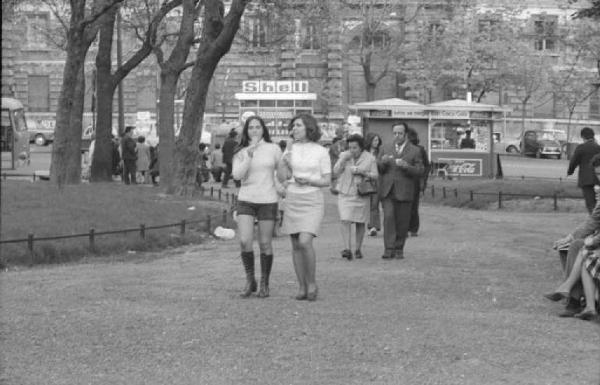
(301, 296)
(312, 296)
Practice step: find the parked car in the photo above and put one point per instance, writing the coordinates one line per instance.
(537, 143)
(39, 134)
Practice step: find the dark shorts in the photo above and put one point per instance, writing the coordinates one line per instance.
(262, 211)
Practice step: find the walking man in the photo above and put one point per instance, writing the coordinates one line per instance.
(400, 165)
(228, 147)
(129, 155)
(586, 179)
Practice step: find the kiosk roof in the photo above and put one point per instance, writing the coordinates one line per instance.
(385, 104)
(463, 105)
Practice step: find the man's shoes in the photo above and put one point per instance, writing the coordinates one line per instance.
(399, 254)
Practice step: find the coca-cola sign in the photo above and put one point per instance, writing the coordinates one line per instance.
(467, 167)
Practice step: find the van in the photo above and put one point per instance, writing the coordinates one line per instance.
(14, 136)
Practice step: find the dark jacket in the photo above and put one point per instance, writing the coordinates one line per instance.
(228, 149)
(581, 158)
(128, 149)
(400, 182)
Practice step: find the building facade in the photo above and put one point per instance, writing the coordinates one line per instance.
(321, 54)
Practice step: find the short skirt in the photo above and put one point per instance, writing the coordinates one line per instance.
(354, 208)
(303, 212)
(592, 264)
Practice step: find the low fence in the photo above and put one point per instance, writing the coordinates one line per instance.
(500, 197)
(209, 222)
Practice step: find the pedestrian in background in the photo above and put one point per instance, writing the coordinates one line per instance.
(420, 184)
(154, 165)
(399, 165)
(353, 167)
(254, 164)
(373, 142)
(586, 179)
(143, 159)
(305, 168)
(228, 148)
(338, 145)
(128, 153)
(216, 159)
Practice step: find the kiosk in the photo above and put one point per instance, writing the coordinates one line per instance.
(276, 102)
(458, 134)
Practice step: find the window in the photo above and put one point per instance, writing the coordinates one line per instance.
(38, 93)
(37, 24)
(595, 105)
(488, 27)
(256, 31)
(458, 135)
(308, 35)
(378, 40)
(544, 30)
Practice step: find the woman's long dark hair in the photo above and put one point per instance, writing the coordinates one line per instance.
(370, 138)
(245, 142)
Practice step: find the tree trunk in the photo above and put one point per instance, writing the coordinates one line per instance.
(371, 91)
(186, 145)
(166, 124)
(217, 38)
(66, 154)
(101, 170)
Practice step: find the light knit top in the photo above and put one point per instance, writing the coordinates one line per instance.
(257, 173)
(309, 160)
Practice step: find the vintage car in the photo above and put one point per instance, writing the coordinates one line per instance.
(540, 144)
(39, 134)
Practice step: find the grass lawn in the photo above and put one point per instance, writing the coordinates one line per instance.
(527, 194)
(465, 307)
(41, 209)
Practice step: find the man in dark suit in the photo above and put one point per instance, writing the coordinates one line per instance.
(399, 165)
(582, 156)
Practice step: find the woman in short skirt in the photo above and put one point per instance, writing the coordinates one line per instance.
(254, 164)
(353, 167)
(305, 169)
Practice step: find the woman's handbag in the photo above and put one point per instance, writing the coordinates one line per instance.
(366, 187)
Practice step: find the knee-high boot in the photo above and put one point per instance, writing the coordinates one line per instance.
(248, 261)
(266, 262)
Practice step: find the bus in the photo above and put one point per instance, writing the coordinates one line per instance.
(14, 137)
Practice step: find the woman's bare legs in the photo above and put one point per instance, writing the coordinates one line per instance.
(346, 228)
(589, 290)
(297, 258)
(574, 276)
(360, 235)
(305, 243)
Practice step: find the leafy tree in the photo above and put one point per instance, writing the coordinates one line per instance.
(108, 81)
(218, 32)
(81, 29)
(375, 35)
(171, 69)
(591, 12)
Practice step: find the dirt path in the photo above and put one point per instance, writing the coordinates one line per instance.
(465, 307)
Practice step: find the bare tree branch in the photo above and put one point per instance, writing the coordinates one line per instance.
(96, 15)
(149, 42)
